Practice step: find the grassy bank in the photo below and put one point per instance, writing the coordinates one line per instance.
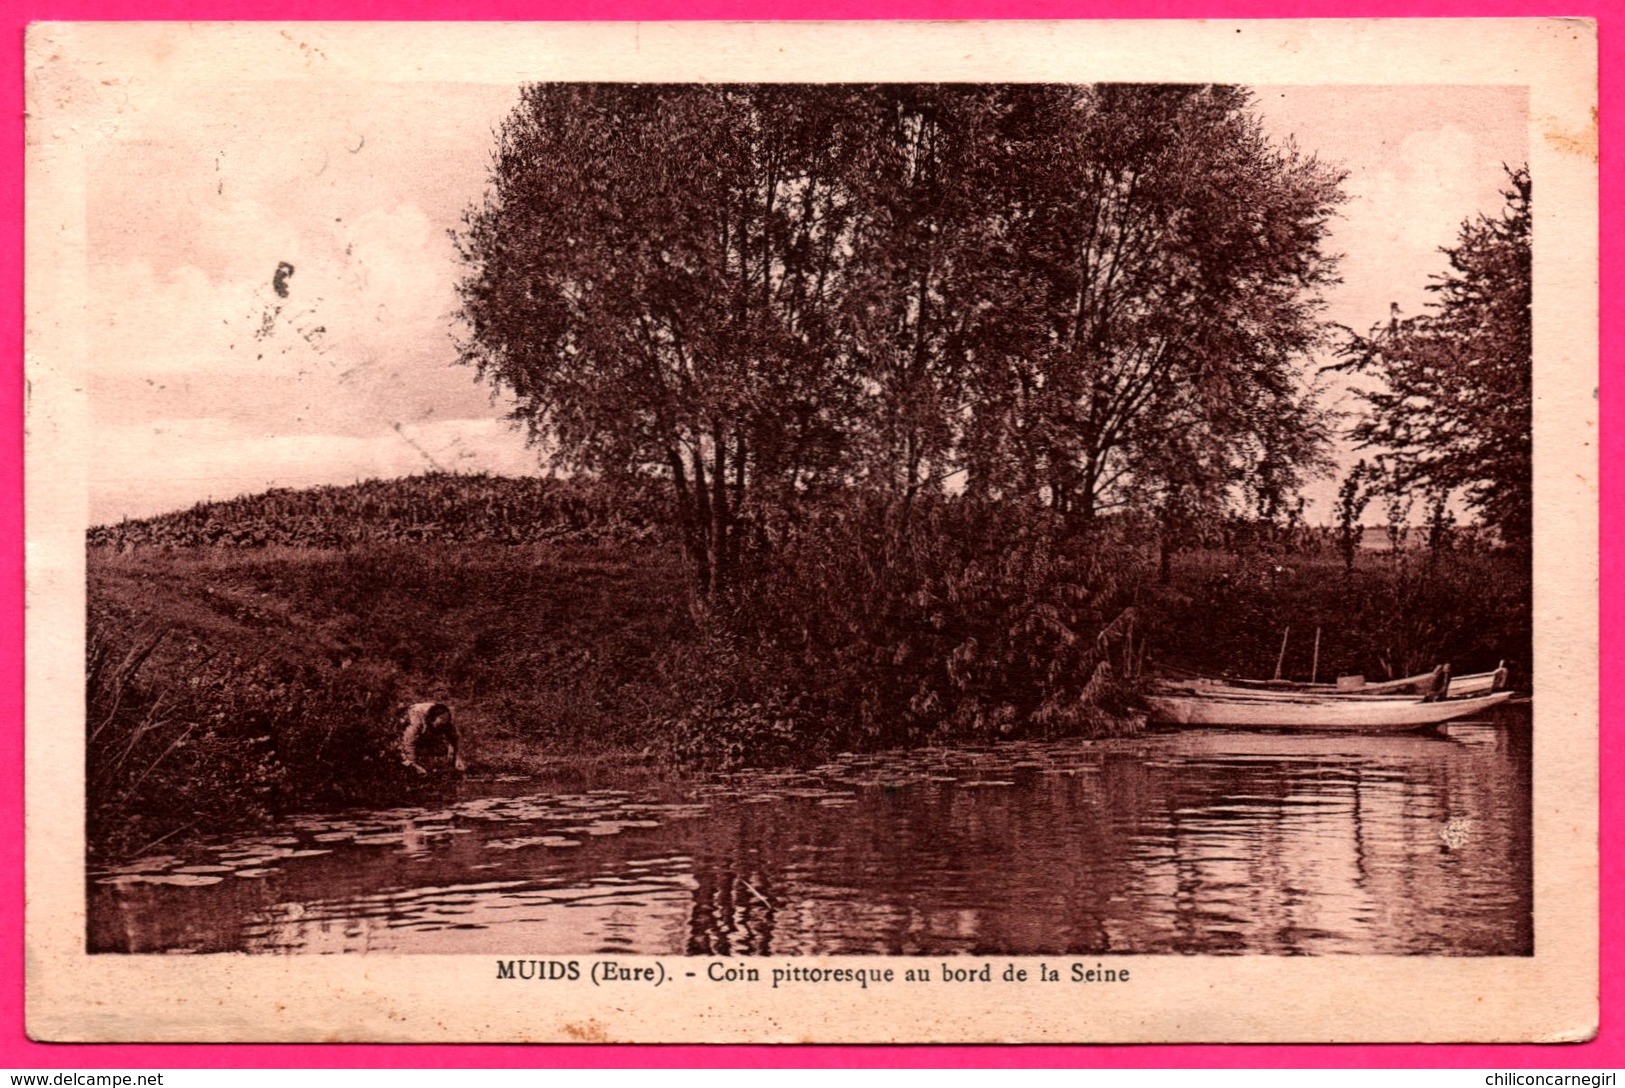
(235, 680)
(1395, 614)
(226, 684)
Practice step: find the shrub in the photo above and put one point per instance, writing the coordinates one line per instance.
(878, 624)
(279, 670)
(209, 741)
(1395, 614)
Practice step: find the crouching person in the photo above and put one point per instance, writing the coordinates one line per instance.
(429, 724)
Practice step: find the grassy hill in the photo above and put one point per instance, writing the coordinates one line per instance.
(229, 681)
(441, 507)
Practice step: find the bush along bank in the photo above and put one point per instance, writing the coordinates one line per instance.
(878, 624)
(1392, 613)
(183, 737)
(884, 624)
(228, 685)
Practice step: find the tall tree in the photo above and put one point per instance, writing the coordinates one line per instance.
(1453, 412)
(751, 290)
(929, 288)
(655, 275)
(1174, 258)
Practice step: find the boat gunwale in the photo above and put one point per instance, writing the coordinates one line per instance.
(1387, 715)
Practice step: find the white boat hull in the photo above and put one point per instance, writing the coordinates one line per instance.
(1479, 683)
(1270, 710)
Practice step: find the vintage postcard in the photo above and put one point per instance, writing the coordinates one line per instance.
(1019, 532)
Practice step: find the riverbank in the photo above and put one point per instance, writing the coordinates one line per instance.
(229, 683)
(1397, 613)
(232, 682)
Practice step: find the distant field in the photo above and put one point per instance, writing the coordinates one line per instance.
(447, 508)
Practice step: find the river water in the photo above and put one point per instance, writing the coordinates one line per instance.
(1175, 842)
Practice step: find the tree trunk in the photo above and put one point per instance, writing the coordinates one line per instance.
(737, 503)
(704, 527)
(1084, 508)
(688, 520)
(721, 569)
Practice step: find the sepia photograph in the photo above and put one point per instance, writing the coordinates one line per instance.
(909, 529)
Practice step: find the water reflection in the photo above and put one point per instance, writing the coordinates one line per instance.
(1193, 842)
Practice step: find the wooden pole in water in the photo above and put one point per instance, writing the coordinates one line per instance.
(1281, 660)
(1314, 670)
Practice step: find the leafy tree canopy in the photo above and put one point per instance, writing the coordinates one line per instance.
(755, 292)
(1452, 412)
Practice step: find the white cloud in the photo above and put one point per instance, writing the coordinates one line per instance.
(206, 191)
(204, 380)
(1397, 219)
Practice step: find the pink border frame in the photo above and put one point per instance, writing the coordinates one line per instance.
(18, 1052)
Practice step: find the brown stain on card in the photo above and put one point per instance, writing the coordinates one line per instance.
(306, 50)
(1583, 143)
(590, 1032)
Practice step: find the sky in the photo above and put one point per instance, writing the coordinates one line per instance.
(272, 282)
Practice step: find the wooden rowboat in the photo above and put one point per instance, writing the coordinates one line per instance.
(1478, 683)
(1288, 710)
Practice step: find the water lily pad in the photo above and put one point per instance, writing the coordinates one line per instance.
(183, 880)
(526, 841)
(145, 865)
